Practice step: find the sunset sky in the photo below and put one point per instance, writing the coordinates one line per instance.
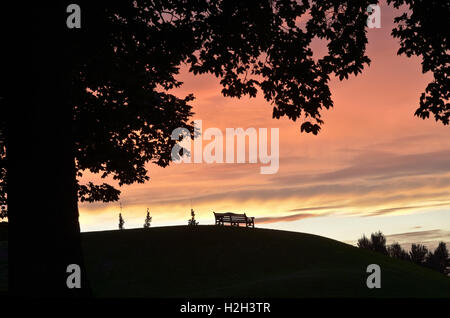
(374, 166)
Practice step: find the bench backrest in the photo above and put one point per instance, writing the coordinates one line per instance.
(230, 217)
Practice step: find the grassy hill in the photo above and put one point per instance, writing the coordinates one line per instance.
(210, 261)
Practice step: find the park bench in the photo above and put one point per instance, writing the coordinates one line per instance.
(234, 219)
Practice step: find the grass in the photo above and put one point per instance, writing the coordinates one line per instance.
(211, 261)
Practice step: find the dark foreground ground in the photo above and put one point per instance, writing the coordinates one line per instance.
(210, 261)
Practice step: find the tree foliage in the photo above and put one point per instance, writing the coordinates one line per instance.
(121, 222)
(396, 251)
(364, 242)
(192, 221)
(423, 31)
(439, 259)
(148, 220)
(123, 113)
(418, 253)
(378, 242)
(267, 48)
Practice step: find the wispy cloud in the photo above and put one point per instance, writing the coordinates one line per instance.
(289, 218)
(400, 208)
(317, 208)
(429, 238)
(374, 165)
(421, 235)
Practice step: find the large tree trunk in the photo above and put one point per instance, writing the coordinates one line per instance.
(44, 232)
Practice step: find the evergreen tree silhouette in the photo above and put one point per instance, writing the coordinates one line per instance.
(121, 222)
(439, 260)
(192, 221)
(396, 251)
(418, 253)
(148, 220)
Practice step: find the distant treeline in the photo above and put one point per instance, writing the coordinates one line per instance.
(419, 254)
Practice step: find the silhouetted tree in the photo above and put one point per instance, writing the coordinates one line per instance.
(148, 220)
(396, 251)
(418, 253)
(121, 221)
(423, 31)
(439, 259)
(3, 212)
(192, 221)
(378, 242)
(96, 99)
(364, 242)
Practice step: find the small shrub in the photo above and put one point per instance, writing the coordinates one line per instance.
(121, 222)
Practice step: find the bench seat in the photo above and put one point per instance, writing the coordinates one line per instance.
(234, 219)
